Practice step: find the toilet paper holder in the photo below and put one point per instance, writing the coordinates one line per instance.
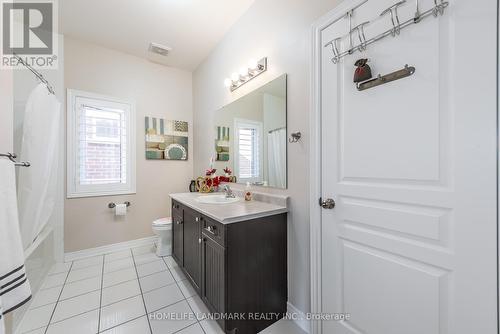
(113, 205)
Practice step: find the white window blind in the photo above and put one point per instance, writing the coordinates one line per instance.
(101, 148)
(248, 150)
(249, 153)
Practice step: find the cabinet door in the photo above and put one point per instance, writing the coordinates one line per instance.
(192, 246)
(213, 275)
(178, 240)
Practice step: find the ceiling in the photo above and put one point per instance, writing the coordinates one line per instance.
(192, 28)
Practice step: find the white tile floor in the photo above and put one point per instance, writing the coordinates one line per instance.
(116, 294)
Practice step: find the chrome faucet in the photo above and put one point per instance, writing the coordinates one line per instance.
(229, 192)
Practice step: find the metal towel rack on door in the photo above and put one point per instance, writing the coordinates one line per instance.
(437, 10)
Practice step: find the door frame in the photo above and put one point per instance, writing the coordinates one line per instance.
(315, 188)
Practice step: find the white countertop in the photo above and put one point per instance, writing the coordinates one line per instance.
(235, 212)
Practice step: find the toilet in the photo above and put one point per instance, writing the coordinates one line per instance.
(163, 229)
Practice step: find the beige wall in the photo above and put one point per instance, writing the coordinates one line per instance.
(280, 30)
(158, 91)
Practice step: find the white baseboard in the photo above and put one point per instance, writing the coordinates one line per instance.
(108, 249)
(301, 320)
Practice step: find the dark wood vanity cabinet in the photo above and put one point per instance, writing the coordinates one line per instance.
(192, 247)
(213, 264)
(237, 269)
(178, 234)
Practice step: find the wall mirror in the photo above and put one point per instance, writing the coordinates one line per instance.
(251, 136)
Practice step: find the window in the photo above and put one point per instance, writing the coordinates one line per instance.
(248, 150)
(101, 145)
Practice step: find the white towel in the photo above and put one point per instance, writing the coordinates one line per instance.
(14, 286)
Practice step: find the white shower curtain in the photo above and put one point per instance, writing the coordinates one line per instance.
(40, 146)
(276, 151)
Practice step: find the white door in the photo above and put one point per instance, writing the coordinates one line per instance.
(410, 247)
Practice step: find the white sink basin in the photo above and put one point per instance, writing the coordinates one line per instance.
(216, 199)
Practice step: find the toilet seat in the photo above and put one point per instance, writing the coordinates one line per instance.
(163, 222)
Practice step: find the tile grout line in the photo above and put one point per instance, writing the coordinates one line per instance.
(148, 313)
(128, 321)
(102, 288)
(158, 288)
(74, 316)
(110, 261)
(195, 323)
(100, 297)
(83, 279)
(111, 272)
(61, 300)
(197, 320)
(59, 297)
(169, 305)
(142, 295)
(177, 302)
(123, 323)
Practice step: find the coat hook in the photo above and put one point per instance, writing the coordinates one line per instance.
(393, 10)
(335, 49)
(439, 6)
(417, 18)
(295, 137)
(360, 28)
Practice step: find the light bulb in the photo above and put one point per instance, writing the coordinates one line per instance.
(243, 72)
(228, 82)
(235, 77)
(252, 65)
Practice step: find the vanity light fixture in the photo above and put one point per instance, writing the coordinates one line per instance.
(254, 69)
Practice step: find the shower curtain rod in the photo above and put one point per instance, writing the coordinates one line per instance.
(274, 130)
(36, 73)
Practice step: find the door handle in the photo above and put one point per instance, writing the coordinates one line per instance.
(199, 240)
(328, 203)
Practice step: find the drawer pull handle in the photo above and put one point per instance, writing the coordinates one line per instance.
(179, 222)
(197, 219)
(211, 229)
(199, 240)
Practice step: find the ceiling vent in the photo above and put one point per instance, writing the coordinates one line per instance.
(162, 50)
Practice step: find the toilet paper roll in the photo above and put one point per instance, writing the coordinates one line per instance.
(120, 209)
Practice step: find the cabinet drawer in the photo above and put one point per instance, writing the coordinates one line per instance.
(214, 230)
(176, 210)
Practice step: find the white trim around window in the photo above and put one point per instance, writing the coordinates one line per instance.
(125, 182)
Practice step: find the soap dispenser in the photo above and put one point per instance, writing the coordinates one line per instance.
(248, 192)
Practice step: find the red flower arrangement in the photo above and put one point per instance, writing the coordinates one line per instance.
(228, 171)
(210, 171)
(216, 181)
